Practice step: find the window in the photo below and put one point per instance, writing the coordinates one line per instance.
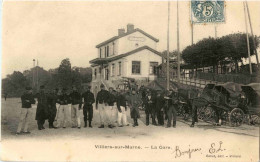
(113, 70)
(100, 52)
(113, 48)
(152, 68)
(107, 51)
(136, 67)
(119, 68)
(95, 73)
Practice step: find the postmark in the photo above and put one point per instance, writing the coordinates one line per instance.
(207, 11)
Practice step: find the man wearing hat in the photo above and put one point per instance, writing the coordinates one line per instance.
(75, 106)
(63, 100)
(52, 110)
(26, 110)
(121, 106)
(89, 99)
(159, 107)
(150, 107)
(134, 102)
(42, 108)
(101, 104)
(172, 101)
(111, 101)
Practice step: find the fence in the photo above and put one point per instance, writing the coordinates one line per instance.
(236, 78)
(199, 83)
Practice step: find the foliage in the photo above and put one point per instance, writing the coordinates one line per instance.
(63, 76)
(210, 51)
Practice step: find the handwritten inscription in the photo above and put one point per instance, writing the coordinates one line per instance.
(213, 150)
(178, 152)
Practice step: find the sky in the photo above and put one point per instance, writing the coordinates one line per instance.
(54, 30)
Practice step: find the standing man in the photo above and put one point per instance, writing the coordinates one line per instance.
(159, 108)
(149, 106)
(26, 110)
(172, 101)
(134, 103)
(63, 100)
(75, 106)
(101, 104)
(52, 110)
(121, 106)
(89, 99)
(111, 101)
(42, 108)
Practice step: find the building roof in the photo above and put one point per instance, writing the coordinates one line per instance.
(106, 60)
(125, 34)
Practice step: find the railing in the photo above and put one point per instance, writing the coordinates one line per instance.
(199, 83)
(236, 78)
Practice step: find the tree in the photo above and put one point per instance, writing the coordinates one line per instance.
(211, 52)
(14, 84)
(64, 73)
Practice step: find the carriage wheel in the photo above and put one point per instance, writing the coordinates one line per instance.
(236, 117)
(209, 113)
(255, 119)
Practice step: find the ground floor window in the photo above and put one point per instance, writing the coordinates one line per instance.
(136, 67)
(119, 68)
(152, 68)
(95, 73)
(113, 70)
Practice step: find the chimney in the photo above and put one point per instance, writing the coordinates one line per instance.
(130, 28)
(121, 32)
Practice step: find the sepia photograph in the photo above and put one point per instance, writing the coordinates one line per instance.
(121, 80)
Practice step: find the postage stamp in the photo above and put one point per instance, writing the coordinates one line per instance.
(207, 11)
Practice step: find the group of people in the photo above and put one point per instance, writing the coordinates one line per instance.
(112, 107)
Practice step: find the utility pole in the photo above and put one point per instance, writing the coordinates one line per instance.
(178, 44)
(168, 39)
(247, 39)
(191, 32)
(33, 79)
(252, 33)
(37, 75)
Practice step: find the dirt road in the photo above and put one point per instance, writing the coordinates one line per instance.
(143, 143)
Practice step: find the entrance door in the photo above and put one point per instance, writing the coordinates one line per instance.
(107, 74)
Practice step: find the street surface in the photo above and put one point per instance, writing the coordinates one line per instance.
(142, 143)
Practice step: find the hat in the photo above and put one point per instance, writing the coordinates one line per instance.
(42, 87)
(28, 88)
(102, 86)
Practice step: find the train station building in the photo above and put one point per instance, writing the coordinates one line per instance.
(130, 54)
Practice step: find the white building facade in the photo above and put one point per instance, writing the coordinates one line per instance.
(131, 54)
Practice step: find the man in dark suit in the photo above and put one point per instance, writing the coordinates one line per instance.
(52, 110)
(160, 107)
(42, 108)
(150, 107)
(172, 103)
(89, 99)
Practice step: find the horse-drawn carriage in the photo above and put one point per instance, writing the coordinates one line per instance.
(251, 102)
(221, 102)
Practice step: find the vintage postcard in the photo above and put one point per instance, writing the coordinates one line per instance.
(130, 80)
